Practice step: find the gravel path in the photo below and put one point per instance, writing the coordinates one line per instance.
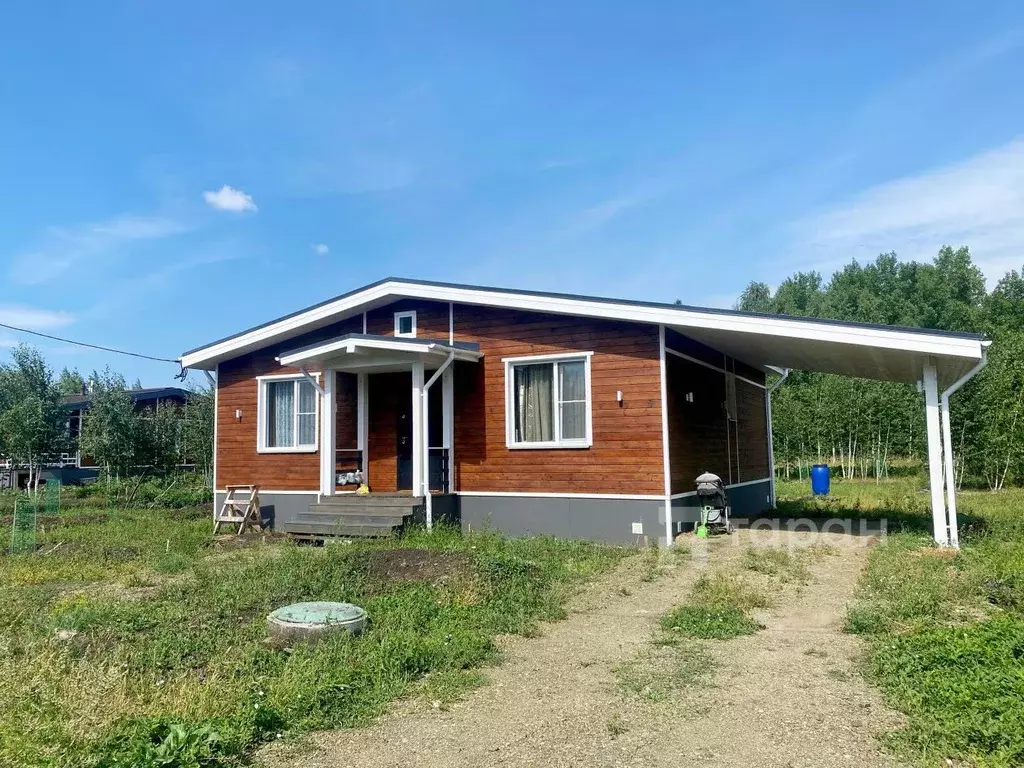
(787, 696)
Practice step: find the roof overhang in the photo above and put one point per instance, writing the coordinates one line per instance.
(852, 349)
(373, 354)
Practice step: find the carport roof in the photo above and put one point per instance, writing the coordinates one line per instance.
(853, 349)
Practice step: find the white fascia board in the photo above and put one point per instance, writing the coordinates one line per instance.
(354, 346)
(884, 338)
(681, 318)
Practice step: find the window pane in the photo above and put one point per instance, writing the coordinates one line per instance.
(307, 429)
(572, 380)
(280, 414)
(574, 421)
(534, 404)
(405, 325)
(307, 397)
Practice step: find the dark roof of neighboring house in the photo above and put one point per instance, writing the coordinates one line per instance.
(137, 395)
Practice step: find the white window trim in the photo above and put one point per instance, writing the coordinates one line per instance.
(261, 418)
(399, 316)
(510, 426)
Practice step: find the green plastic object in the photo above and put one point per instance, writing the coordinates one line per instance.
(51, 495)
(23, 529)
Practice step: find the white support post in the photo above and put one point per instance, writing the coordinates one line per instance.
(768, 418)
(362, 425)
(448, 397)
(425, 395)
(771, 446)
(947, 463)
(417, 427)
(940, 528)
(427, 500)
(666, 465)
(328, 441)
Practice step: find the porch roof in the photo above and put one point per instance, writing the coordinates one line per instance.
(360, 351)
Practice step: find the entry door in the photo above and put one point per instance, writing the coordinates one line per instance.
(403, 433)
(403, 448)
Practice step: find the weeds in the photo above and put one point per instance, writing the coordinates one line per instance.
(136, 644)
(787, 566)
(717, 608)
(945, 630)
(662, 671)
(617, 727)
(652, 563)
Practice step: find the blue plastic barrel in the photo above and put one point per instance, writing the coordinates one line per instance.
(819, 479)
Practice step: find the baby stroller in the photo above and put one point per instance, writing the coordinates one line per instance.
(714, 506)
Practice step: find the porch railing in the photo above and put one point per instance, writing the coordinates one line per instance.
(347, 460)
(438, 470)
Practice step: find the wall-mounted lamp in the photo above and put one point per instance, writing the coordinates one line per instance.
(618, 397)
(238, 414)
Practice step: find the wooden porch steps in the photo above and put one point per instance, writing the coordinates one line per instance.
(354, 516)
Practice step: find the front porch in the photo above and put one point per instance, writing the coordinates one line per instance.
(386, 418)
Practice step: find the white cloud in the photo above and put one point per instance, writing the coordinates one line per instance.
(230, 199)
(978, 202)
(33, 319)
(63, 248)
(321, 249)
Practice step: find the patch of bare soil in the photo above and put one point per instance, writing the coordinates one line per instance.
(788, 696)
(419, 565)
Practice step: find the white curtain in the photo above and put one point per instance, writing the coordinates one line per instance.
(280, 414)
(534, 404)
(573, 400)
(307, 413)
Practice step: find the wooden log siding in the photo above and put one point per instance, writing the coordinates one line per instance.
(431, 319)
(697, 430)
(626, 456)
(238, 462)
(752, 429)
(700, 437)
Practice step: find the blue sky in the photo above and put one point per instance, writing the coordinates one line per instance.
(172, 173)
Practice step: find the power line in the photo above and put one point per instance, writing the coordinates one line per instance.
(181, 374)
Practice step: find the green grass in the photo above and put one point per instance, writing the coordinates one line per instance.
(717, 608)
(139, 641)
(945, 631)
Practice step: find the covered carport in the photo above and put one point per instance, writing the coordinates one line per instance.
(939, 362)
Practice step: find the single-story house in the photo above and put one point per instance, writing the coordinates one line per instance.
(71, 467)
(531, 412)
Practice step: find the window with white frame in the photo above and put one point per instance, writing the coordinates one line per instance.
(405, 324)
(547, 402)
(288, 407)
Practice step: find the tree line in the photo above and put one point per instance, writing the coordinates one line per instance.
(869, 428)
(121, 439)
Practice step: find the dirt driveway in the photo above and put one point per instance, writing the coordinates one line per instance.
(788, 696)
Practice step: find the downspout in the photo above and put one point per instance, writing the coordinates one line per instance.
(768, 417)
(427, 501)
(947, 445)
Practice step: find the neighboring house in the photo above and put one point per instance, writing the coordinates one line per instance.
(522, 411)
(72, 466)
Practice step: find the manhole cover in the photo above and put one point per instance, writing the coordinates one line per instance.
(311, 621)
